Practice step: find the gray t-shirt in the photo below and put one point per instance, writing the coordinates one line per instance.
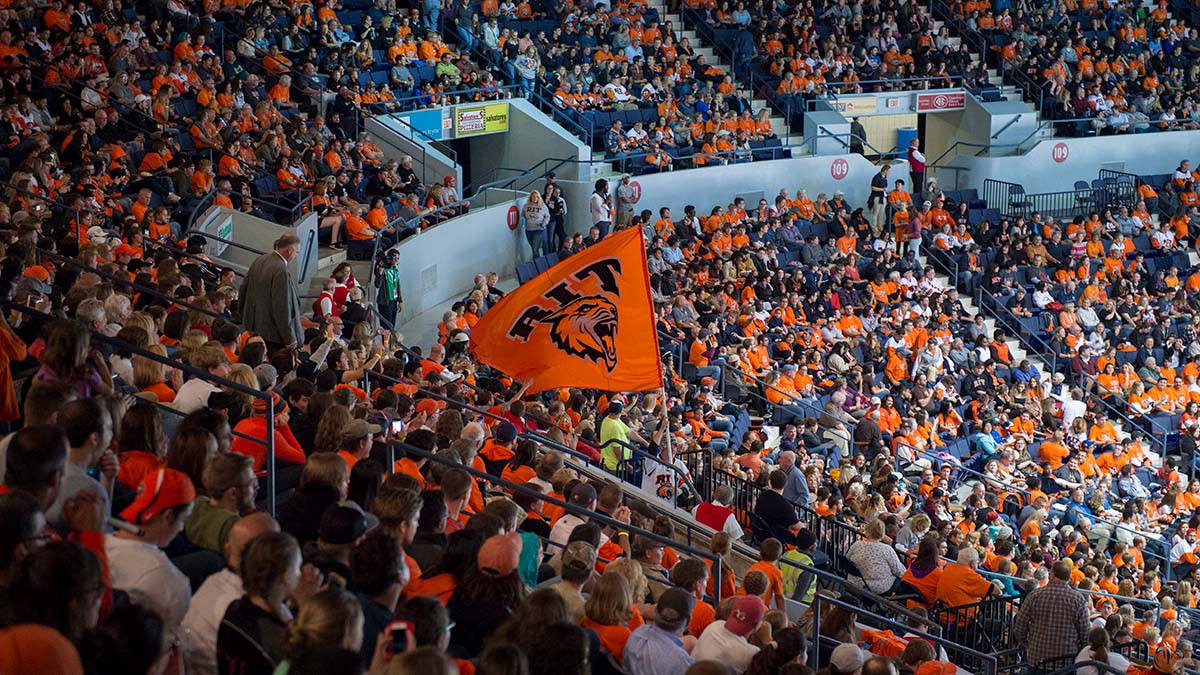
(625, 197)
(75, 480)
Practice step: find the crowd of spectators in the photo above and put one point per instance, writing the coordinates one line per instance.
(1127, 67)
(886, 395)
(801, 50)
(141, 538)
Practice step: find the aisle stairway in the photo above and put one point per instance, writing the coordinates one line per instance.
(778, 123)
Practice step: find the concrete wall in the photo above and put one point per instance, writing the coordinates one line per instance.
(1040, 170)
(256, 236)
(396, 140)
(531, 138)
(710, 186)
(440, 263)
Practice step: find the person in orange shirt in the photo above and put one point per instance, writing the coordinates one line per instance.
(768, 563)
(960, 583)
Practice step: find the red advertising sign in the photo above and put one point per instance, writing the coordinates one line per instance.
(839, 169)
(951, 100)
(514, 217)
(1060, 152)
(637, 191)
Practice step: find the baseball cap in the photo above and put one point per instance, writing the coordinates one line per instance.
(430, 406)
(35, 286)
(341, 525)
(674, 607)
(614, 408)
(500, 555)
(583, 494)
(578, 556)
(707, 381)
(31, 649)
(805, 539)
(846, 658)
(124, 249)
(746, 615)
(159, 490)
(266, 374)
(356, 429)
(505, 432)
(278, 405)
(37, 272)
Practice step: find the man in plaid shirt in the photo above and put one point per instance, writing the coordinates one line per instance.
(1053, 621)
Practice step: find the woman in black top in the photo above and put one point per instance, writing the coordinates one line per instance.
(251, 634)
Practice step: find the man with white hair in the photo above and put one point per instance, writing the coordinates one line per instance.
(961, 584)
(795, 490)
(117, 309)
(91, 314)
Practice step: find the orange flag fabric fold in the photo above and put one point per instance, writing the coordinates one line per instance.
(586, 322)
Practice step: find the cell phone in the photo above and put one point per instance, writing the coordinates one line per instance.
(397, 426)
(399, 632)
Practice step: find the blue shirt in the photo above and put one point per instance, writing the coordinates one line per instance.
(796, 488)
(651, 650)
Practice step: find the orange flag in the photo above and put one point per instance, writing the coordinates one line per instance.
(586, 322)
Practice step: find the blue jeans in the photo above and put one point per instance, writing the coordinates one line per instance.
(537, 242)
(466, 38)
(604, 226)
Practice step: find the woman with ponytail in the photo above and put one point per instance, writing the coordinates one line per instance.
(328, 631)
(1097, 650)
(790, 646)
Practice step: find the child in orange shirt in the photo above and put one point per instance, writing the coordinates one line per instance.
(768, 563)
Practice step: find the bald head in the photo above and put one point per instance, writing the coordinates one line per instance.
(787, 459)
(245, 530)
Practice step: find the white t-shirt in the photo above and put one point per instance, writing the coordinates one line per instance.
(143, 571)
(600, 210)
(1115, 660)
(561, 532)
(203, 619)
(193, 395)
(719, 644)
(661, 481)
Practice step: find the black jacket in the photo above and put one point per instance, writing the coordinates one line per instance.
(248, 640)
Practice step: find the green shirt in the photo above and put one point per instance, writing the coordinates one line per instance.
(612, 428)
(208, 526)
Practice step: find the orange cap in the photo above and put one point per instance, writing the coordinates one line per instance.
(37, 650)
(160, 490)
(37, 272)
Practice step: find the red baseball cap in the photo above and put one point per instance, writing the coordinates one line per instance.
(160, 490)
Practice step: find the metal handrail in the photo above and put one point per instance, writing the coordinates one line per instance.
(268, 442)
(203, 204)
(123, 282)
(192, 256)
(499, 89)
(518, 488)
(230, 242)
(989, 660)
(639, 453)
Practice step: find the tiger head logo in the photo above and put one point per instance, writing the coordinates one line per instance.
(586, 327)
